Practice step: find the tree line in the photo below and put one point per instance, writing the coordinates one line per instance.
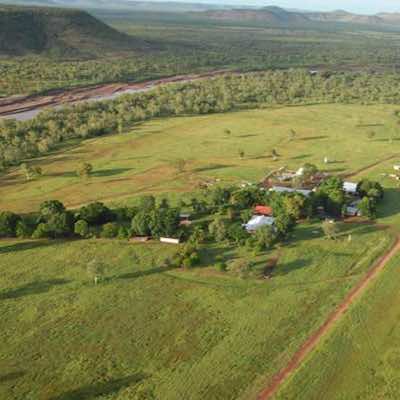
(26, 139)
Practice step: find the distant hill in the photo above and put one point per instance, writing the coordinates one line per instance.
(269, 15)
(279, 16)
(59, 32)
(344, 16)
(115, 5)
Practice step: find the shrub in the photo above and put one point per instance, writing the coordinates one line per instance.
(123, 233)
(109, 230)
(23, 230)
(221, 266)
(330, 229)
(8, 223)
(40, 232)
(242, 268)
(81, 228)
(187, 263)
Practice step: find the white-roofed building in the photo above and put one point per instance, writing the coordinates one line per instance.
(350, 187)
(258, 221)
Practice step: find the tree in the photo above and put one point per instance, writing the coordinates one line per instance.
(284, 223)
(96, 213)
(241, 153)
(217, 229)
(330, 229)
(274, 154)
(140, 224)
(95, 270)
(295, 205)
(220, 196)
(227, 132)
(198, 236)
(367, 207)
(60, 224)
(370, 189)
(81, 228)
(265, 237)
(84, 170)
(23, 229)
(40, 232)
(147, 203)
(331, 194)
(30, 172)
(109, 230)
(50, 208)
(8, 224)
(237, 234)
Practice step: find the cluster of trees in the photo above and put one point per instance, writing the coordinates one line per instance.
(229, 208)
(24, 139)
(94, 220)
(331, 196)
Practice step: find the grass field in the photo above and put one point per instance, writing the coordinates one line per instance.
(147, 332)
(141, 161)
(361, 359)
(150, 333)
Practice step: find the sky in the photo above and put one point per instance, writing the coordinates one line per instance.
(358, 6)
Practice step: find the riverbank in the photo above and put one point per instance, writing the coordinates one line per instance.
(25, 108)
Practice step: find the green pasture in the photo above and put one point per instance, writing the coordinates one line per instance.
(147, 332)
(142, 160)
(361, 358)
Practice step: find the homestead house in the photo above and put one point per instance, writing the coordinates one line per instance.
(258, 221)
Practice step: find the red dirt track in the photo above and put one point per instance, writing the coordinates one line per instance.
(309, 345)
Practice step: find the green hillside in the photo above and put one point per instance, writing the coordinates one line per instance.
(59, 32)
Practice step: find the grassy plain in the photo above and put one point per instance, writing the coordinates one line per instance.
(361, 358)
(151, 333)
(141, 160)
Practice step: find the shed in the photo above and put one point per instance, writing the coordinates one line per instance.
(169, 240)
(352, 211)
(350, 187)
(258, 221)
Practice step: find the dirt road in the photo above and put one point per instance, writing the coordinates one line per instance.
(309, 345)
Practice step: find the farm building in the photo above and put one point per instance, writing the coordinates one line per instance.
(258, 221)
(169, 240)
(396, 167)
(283, 189)
(350, 188)
(263, 210)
